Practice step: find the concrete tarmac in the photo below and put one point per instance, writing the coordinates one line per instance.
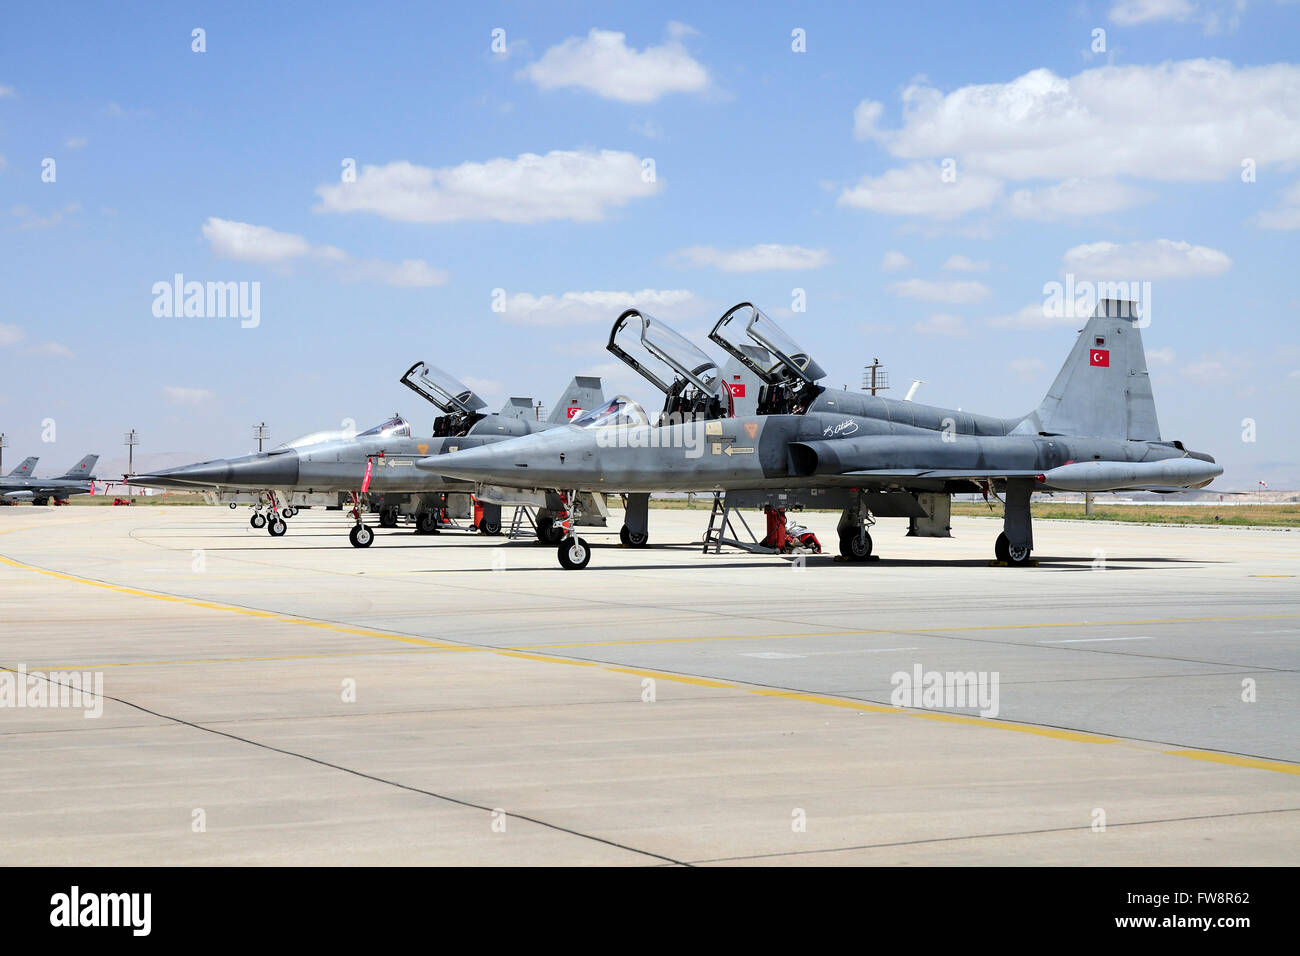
(456, 699)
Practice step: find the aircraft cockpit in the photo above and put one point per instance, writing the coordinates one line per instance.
(461, 406)
(395, 427)
(619, 410)
(671, 363)
(789, 373)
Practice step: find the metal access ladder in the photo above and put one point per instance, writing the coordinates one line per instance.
(522, 517)
(721, 531)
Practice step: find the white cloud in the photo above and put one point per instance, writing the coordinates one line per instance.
(1180, 120)
(1160, 356)
(30, 221)
(10, 334)
(893, 261)
(50, 350)
(1286, 215)
(960, 263)
(648, 128)
(1144, 261)
(245, 242)
(942, 323)
(603, 63)
(1128, 13)
(76, 142)
(760, 258)
(525, 308)
(187, 396)
(940, 291)
(1032, 316)
(530, 188)
(920, 190)
(1027, 368)
(7, 92)
(1074, 197)
(865, 117)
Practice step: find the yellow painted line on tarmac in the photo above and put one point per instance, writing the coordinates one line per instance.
(1272, 575)
(1053, 732)
(544, 659)
(1232, 760)
(839, 702)
(676, 678)
(829, 701)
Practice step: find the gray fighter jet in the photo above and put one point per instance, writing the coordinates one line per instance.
(78, 480)
(694, 389)
(376, 466)
(1096, 430)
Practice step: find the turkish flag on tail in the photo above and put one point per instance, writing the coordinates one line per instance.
(1099, 357)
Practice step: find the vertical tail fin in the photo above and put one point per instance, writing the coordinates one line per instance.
(25, 469)
(1103, 390)
(84, 468)
(520, 408)
(584, 392)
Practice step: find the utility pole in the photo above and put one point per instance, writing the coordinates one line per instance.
(260, 433)
(4, 443)
(131, 440)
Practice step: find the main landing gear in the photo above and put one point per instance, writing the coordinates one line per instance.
(548, 532)
(855, 538)
(1016, 542)
(635, 532)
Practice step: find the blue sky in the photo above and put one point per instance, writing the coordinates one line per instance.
(522, 170)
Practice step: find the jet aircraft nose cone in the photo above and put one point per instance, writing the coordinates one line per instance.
(253, 471)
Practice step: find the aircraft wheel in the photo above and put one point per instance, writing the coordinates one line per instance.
(633, 539)
(276, 528)
(361, 536)
(489, 528)
(289, 512)
(574, 554)
(544, 531)
(258, 520)
(233, 506)
(1015, 557)
(388, 518)
(855, 546)
(426, 523)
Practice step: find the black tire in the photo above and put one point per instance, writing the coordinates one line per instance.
(388, 518)
(574, 553)
(276, 527)
(233, 506)
(258, 520)
(489, 528)
(633, 539)
(855, 546)
(544, 531)
(1015, 557)
(288, 512)
(426, 523)
(361, 536)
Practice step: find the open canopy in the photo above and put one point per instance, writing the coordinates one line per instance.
(619, 410)
(660, 354)
(441, 388)
(747, 320)
(395, 427)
